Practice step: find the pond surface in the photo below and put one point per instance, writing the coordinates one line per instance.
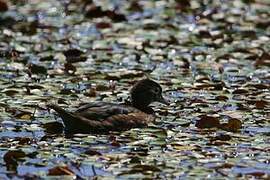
(212, 59)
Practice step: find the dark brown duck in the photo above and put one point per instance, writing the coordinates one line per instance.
(102, 117)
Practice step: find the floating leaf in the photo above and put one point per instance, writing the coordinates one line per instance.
(3, 6)
(263, 60)
(206, 121)
(240, 91)
(93, 11)
(47, 58)
(37, 69)
(69, 68)
(25, 140)
(60, 171)
(25, 115)
(28, 28)
(142, 169)
(103, 25)
(12, 158)
(92, 152)
(221, 98)
(74, 55)
(233, 125)
(222, 137)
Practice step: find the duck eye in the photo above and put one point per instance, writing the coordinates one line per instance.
(156, 91)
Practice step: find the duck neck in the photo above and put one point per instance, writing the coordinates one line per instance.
(145, 109)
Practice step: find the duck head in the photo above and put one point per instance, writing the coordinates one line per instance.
(146, 91)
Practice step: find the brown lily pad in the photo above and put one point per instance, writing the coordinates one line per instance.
(206, 121)
(3, 6)
(92, 152)
(12, 157)
(74, 55)
(60, 171)
(233, 125)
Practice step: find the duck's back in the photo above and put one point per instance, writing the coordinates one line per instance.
(100, 111)
(101, 117)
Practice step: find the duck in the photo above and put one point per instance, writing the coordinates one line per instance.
(104, 117)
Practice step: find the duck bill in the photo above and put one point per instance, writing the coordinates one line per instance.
(163, 101)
